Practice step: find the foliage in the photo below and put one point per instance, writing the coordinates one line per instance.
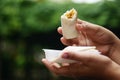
(27, 17)
(111, 8)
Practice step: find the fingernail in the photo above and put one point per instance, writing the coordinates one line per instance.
(56, 65)
(65, 64)
(43, 59)
(65, 55)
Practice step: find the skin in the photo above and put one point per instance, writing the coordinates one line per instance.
(104, 67)
(104, 40)
(89, 65)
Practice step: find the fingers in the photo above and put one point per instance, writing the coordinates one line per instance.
(79, 21)
(64, 41)
(70, 42)
(47, 64)
(53, 67)
(71, 70)
(89, 28)
(83, 25)
(56, 68)
(59, 30)
(92, 29)
(85, 58)
(73, 56)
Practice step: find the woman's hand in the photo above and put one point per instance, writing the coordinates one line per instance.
(88, 65)
(95, 35)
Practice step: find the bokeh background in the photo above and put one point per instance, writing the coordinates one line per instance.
(28, 26)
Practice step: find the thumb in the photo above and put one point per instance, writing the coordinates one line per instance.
(82, 57)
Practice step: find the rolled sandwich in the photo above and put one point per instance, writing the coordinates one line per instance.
(56, 55)
(68, 20)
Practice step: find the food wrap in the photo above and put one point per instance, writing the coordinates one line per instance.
(68, 20)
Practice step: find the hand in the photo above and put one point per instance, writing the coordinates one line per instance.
(89, 65)
(95, 35)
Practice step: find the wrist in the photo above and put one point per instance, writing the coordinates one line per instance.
(115, 51)
(112, 72)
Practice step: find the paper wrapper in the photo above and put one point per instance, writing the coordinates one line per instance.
(68, 20)
(55, 55)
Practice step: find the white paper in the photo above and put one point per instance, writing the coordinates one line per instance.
(55, 55)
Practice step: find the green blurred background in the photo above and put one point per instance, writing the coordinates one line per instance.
(28, 26)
